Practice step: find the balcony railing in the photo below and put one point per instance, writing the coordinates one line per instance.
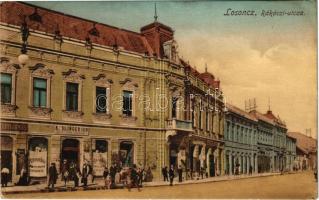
(177, 124)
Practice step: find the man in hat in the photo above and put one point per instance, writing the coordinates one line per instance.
(53, 175)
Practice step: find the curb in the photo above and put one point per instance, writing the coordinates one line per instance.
(72, 189)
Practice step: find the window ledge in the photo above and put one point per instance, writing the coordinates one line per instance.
(131, 118)
(41, 112)
(73, 114)
(8, 109)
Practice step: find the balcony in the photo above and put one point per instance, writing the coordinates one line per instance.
(179, 125)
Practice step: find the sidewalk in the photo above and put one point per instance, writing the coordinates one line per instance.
(99, 184)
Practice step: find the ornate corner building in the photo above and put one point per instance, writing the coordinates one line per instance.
(93, 92)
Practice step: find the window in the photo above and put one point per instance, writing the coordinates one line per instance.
(101, 146)
(39, 92)
(101, 100)
(72, 96)
(174, 105)
(6, 88)
(127, 103)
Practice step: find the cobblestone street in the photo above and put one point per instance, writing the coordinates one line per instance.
(297, 186)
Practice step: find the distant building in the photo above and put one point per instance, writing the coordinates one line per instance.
(240, 141)
(306, 151)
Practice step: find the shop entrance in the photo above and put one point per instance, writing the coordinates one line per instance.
(211, 165)
(70, 151)
(126, 153)
(6, 154)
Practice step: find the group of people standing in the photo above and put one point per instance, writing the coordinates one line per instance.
(70, 172)
(126, 176)
(169, 174)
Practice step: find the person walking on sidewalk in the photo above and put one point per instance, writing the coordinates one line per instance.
(112, 174)
(53, 175)
(164, 173)
(180, 174)
(171, 175)
(64, 171)
(250, 170)
(85, 174)
(5, 177)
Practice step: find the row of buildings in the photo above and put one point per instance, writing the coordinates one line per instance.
(78, 90)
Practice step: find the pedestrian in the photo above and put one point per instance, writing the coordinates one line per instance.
(201, 171)
(165, 172)
(112, 174)
(250, 170)
(53, 175)
(316, 174)
(171, 175)
(133, 178)
(4, 177)
(74, 174)
(180, 174)
(65, 171)
(140, 176)
(107, 178)
(23, 180)
(85, 173)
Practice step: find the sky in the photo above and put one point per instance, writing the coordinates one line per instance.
(272, 59)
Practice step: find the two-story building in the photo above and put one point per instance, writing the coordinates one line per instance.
(83, 91)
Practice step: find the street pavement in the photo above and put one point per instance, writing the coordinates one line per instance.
(288, 186)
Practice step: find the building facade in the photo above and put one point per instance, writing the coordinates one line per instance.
(257, 140)
(305, 151)
(240, 141)
(95, 93)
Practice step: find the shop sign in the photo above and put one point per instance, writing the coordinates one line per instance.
(71, 130)
(7, 126)
(38, 163)
(99, 162)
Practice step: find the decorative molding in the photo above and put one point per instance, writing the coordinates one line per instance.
(101, 78)
(103, 118)
(72, 115)
(41, 70)
(72, 75)
(40, 112)
(8, 109)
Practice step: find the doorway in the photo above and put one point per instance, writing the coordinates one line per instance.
(211, 165)
(6, 154)
(70, 151)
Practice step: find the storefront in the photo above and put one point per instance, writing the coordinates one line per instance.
(6, 154)
(37, 157)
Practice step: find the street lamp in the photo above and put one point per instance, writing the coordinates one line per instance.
(23, 58)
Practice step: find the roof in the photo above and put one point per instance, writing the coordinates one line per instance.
(206, 77)
(304, 143)
(156, 24)
(240, 112)
(73, 27)
(277, 120)
(260, 116)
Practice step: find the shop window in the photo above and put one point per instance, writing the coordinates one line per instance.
(38, 156)
(126, 153)
(127, 103)
(39, 92)
(100, 156)
(101, 146)
(6, 88)
(72, 96)
(101, 99)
